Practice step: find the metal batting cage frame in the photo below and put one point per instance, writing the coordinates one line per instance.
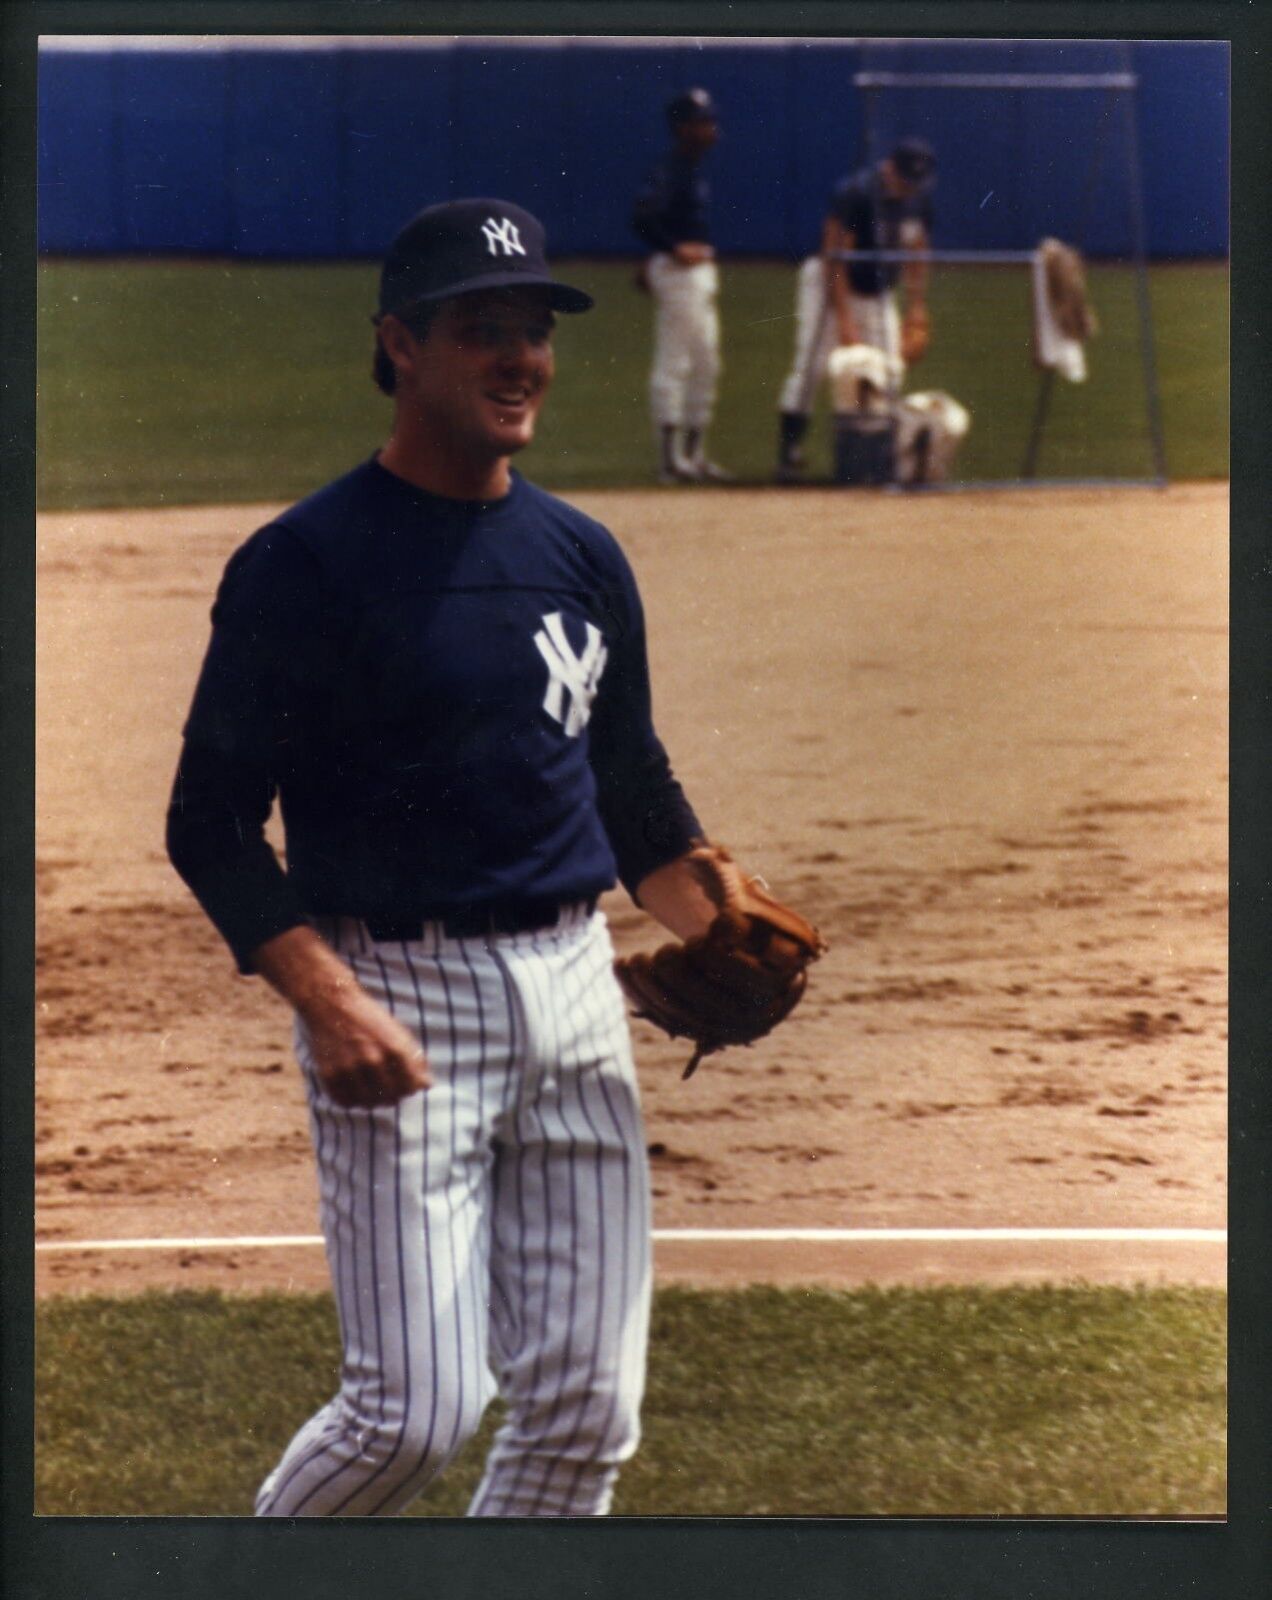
(1120, 90)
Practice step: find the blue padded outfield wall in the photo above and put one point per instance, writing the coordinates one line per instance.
(322, 148)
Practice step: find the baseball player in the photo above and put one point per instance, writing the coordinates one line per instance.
(671, 216)
(837, 302)
(440, 673)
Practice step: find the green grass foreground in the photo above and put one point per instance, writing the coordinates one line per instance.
(1064, 1401)
(186, 382)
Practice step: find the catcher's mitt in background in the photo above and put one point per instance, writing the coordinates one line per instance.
(735, 982)
(916, 335)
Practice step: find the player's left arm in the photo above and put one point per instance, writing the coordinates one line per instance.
(914, 274)
(837, 241)
(647, 818)
(916, 330)
(674, 895)
(650, 824)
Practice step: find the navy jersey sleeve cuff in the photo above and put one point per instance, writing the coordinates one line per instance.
(647, 818)
(248, 902)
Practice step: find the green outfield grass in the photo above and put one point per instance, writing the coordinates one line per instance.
(1036, 1402)
(182, 382)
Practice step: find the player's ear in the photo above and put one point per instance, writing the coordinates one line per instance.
(399, 343)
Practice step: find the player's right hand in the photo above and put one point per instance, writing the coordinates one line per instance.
(364, 1055)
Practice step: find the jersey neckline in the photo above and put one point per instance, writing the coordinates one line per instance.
(442, 502)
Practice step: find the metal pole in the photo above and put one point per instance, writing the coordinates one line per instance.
(870, 105)
(1139, 237)
(1039, 422)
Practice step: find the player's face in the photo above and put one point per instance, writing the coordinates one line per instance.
(698, 136)
(898, 187)
(483, 371)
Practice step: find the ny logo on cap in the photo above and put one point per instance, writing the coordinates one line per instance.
(577, 676)
(503, 233)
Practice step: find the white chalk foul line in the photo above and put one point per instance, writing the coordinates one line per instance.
(723, 1236)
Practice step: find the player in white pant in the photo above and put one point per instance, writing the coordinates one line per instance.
(875, 321)
(843, 301)
(671, 217)
(686, 364)
(511, 1198)
(440, 672)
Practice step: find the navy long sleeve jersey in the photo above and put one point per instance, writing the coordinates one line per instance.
(673, 206)
(449, 699)
(875, 221)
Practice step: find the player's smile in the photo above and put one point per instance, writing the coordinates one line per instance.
(513, 400)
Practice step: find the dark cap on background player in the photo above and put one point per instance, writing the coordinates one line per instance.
(692, 105)
(464, 245)
(915, 162)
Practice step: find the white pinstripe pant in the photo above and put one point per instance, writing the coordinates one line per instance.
(876, 317)
(488, 1235)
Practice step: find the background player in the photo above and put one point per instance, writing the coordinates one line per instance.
(884, 207)
(440, 671)
(671, 216)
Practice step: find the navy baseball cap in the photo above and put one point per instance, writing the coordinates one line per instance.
(694, 105)
(462, 245)
(915, 161)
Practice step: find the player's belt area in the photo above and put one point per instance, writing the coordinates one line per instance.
(475, 922)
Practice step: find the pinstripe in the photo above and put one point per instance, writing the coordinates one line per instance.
(480, 1143)
(479, 1008)
(591, 1002)
(344, 1419)
(342, 1467)
(344, 1422)
(583, 1001)
(480, 1312)
(563, 1372)
(426, 1146)
(477, 1343)
(603, 1267)
(450, 1205)
(403, 1317)
(488, 1494)
(564, 1380)
(381, 1364)
(431, 1322)
(551, 1050)
(332, 1429)
(625, 1145)
(547, 1211)
(347, 1281)
(503, 1163)
(542, 1217)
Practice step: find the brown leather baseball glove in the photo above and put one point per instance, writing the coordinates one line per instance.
(735, 982)
(916, 335)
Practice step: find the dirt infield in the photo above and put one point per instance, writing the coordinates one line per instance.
(981, 739)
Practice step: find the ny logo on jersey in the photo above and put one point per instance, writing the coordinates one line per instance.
(577, 676)
(505, 233)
